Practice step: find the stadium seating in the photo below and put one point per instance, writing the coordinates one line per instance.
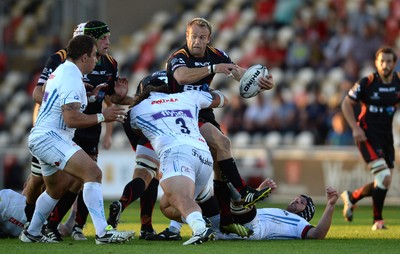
(236, 30)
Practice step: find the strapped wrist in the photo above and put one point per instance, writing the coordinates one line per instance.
(100, 118)
(211, 69)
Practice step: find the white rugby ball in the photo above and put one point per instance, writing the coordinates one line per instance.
(249, 82)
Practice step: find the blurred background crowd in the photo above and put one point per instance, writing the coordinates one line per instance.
(315, 50)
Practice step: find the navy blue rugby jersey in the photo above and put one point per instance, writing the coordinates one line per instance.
(182, 57)
(378, 101)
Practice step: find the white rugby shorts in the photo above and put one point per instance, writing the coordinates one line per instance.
(187, 161)
(53, 151)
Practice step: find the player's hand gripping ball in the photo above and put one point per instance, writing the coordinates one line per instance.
(249, 82)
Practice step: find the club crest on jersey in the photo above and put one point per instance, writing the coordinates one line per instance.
(375, 96)
(177, 60)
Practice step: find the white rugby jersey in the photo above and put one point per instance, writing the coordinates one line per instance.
(169, 120)
(12, 214)
(63, 86)
(274, 223)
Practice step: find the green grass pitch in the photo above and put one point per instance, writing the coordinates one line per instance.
(344, 237)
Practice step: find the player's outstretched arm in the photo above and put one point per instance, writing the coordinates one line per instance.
(322, 228)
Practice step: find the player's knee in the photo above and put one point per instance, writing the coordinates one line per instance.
(93, 175)
(205, 195)
(223, 142)
(383, 179)
(164, 203)
(387, 181)
(377, 165)
(75, 184)
(146, 166)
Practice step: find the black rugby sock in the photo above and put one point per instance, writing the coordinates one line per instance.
(132, 191)
(147, 201)
(378, 200)
(210, 207)
(29, 210)
(223, 196)
(59, 211)
(229, 169)
(81, 211)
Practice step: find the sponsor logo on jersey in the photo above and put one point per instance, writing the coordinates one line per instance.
(387, 89)
(204, 87)
(201, 64)
(164, 101)
(172, 113)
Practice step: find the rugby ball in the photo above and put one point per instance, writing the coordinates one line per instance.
(249, 82)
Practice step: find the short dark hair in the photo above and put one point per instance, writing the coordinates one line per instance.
(386, 50)
(79, 46)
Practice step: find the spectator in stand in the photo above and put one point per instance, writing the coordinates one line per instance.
(367, 43)
(340, 133)
(298, 52)
(232, 118)
(259, 116)
(339, 46)
(286, 116)
(316, 114)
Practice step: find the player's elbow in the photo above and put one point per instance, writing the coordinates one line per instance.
(37, 94)
(320, 236)
(70, 124)
(317, 233)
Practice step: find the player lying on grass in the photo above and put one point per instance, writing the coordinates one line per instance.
(275, 223)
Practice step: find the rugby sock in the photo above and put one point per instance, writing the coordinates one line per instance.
(29, 210)
(92, 195)
(196, 222)
(360, 193)
(59, 211)
(246, 217)
(72, 215)
(82, 211)
(175, 226)
(378, 200)
(147, 201)
(210, 207)
(222, 194)
(132, 191)
(44, 205)
(229, 169)
(215, 222)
